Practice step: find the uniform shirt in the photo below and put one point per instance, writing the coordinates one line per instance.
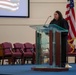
(62, 23)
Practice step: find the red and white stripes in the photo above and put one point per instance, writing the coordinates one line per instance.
(70, 16)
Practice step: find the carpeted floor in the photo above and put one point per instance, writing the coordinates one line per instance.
(26, 70)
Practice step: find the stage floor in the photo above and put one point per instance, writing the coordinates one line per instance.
(26, 70)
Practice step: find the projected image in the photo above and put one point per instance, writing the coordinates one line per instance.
(11, 5)
(14, 8)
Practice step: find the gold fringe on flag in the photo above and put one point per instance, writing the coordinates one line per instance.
(71, 45)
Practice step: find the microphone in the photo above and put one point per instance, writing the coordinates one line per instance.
(46, 21)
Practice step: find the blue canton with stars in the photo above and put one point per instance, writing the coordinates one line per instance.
(71, 3)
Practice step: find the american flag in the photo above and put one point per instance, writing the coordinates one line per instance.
(70, 17)
(11, 5)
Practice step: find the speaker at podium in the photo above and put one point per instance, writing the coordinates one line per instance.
(48, 47)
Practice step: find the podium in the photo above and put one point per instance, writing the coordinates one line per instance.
(48, 47)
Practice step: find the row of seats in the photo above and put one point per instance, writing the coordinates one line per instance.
(26, 51)
(15, 51)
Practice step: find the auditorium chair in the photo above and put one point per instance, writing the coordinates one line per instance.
(6, 52)
(71, 51)
(34, 45)
(11, 53)
(30, 53)
(1, 54)
(19, 46)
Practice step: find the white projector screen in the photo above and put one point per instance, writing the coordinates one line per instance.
(14, 8)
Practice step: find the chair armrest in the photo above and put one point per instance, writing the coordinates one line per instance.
(32, 50)
(22, 51)
(9, 49)
(14, 49)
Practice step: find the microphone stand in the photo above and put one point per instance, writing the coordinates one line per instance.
(46, 22)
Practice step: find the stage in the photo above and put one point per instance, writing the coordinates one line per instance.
(26, 70)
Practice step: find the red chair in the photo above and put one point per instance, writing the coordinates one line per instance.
(71, 52)
(6, 51)
(1, 54)
(34, 45)
(20, 47)
(11, 52)
(29, 52)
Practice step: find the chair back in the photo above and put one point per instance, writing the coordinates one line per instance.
(7, 46)
(28, 47)
(18, 46)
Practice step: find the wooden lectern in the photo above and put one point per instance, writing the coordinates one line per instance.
(49, 38)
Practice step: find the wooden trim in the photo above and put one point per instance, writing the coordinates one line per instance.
(1, 51)
(50, 47)
(58, 49)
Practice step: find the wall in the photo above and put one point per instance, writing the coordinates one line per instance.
(16, 29)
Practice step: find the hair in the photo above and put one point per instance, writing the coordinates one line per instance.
(60, 15)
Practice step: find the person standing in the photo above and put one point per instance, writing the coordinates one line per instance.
(60, 21)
